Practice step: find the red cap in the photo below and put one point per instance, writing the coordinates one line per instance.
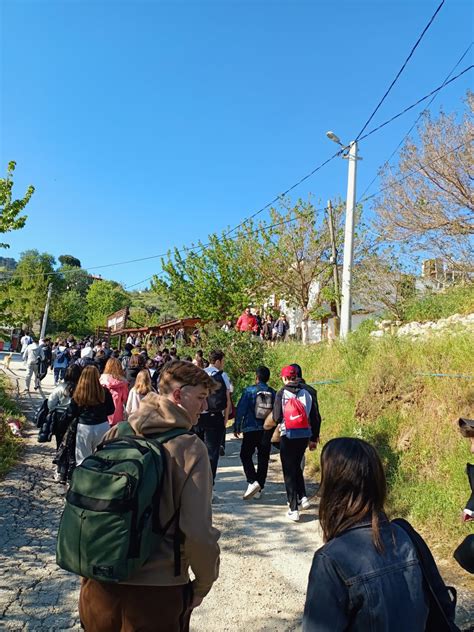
(289, 371)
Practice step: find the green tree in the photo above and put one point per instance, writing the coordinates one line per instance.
(28, 287)
(293, 257)
(69, 260)
(69, 313)
(10, 209)
(153, 307)
(103, 298)
(212, 281)
(74, 278)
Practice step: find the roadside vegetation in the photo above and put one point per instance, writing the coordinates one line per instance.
(10, 446)
(411, 418)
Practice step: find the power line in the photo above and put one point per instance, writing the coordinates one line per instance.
(416, 122)
(413, 105)
(201, 247)
(359, 135)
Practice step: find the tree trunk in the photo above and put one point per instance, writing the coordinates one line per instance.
(304, 329)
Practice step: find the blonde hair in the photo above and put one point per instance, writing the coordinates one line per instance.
(89, 391)
(114, 368)
(182, 373)
(143, 384)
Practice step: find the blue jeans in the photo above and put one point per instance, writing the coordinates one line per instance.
(59, 373)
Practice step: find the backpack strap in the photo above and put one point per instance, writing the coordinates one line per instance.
(445, 603)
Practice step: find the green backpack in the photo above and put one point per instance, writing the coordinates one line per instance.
(110, 524)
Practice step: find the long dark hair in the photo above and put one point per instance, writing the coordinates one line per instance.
(71, 377)
(353, 488)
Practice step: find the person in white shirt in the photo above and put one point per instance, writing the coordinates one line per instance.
(31, 357)
(142, 387)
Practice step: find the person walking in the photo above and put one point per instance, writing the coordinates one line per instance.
(367, 576)
(113, 378)
(296, 413)
(212, 423)
(31, 356)
(255, 404)
(246, 321)
(158, 596)
(60, 361)
(142, 387)
(91, 404)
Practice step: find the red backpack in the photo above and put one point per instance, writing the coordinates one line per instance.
(295, 417)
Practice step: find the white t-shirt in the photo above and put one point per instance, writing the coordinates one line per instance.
(212, 370)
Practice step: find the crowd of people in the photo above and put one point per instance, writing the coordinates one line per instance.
(365, 555)
(267, 327)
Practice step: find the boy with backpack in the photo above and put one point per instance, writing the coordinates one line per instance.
(136, 532)
(297, 414)
(254, 406)
(212, 423)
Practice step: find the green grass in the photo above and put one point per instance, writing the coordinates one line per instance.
(412, 420)
(458, 299)
(10, 446)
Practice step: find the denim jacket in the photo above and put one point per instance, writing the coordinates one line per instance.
(353, 587)
(245, 420)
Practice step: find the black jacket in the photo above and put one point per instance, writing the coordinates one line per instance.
(314, 416)
(93, 415)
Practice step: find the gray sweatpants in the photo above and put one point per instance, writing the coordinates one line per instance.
(31, 369)
(88, 438)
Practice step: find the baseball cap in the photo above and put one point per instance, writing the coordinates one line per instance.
(289, 371)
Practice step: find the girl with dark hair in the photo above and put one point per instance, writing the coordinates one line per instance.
(367, 576)
(91, 405)
(136, 364)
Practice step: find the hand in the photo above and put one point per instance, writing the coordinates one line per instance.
(236, 434)
(312, 445)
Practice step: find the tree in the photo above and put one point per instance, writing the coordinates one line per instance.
(427, 201)
(74, 278)
(103, 298)
(212, 281)
(10, 209)
(69, 260)
(153, 307)
(69, 313)
(28, 286)
(293, 257)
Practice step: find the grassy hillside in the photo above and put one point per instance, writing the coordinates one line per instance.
(410, 418)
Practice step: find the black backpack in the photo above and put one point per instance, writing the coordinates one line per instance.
(217, 401)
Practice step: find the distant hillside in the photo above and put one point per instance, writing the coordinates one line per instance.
(7, 263)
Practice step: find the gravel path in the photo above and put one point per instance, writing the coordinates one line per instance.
(265, 557)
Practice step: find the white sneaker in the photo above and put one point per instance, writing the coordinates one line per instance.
(293, 515)
(251, 490)
(304, 503)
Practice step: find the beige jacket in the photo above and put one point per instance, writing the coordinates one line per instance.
(187, 483)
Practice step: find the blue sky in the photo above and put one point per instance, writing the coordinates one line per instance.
(147, 125)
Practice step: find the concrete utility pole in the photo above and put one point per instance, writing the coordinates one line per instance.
(46, 311)
(334, 256)
(346, 303)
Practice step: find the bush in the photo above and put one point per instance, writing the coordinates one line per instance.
(454, 300)
(10, 446)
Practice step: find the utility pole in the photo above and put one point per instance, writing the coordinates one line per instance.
(346, 303)
(337, 300)
(46, 311)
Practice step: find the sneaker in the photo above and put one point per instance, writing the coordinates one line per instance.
(252, 489)
(258, 495)
(293, 515)
(304, 503)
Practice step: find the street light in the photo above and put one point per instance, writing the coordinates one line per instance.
(346, 291)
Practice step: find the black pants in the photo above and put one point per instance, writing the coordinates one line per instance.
(210, 429)
(291, 454)
(258, 440)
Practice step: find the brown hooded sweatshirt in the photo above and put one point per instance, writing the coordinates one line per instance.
(187, 484)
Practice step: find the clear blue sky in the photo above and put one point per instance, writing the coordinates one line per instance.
(145, 125)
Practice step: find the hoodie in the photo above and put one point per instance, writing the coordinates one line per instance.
(119, 391)
(187, 485)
